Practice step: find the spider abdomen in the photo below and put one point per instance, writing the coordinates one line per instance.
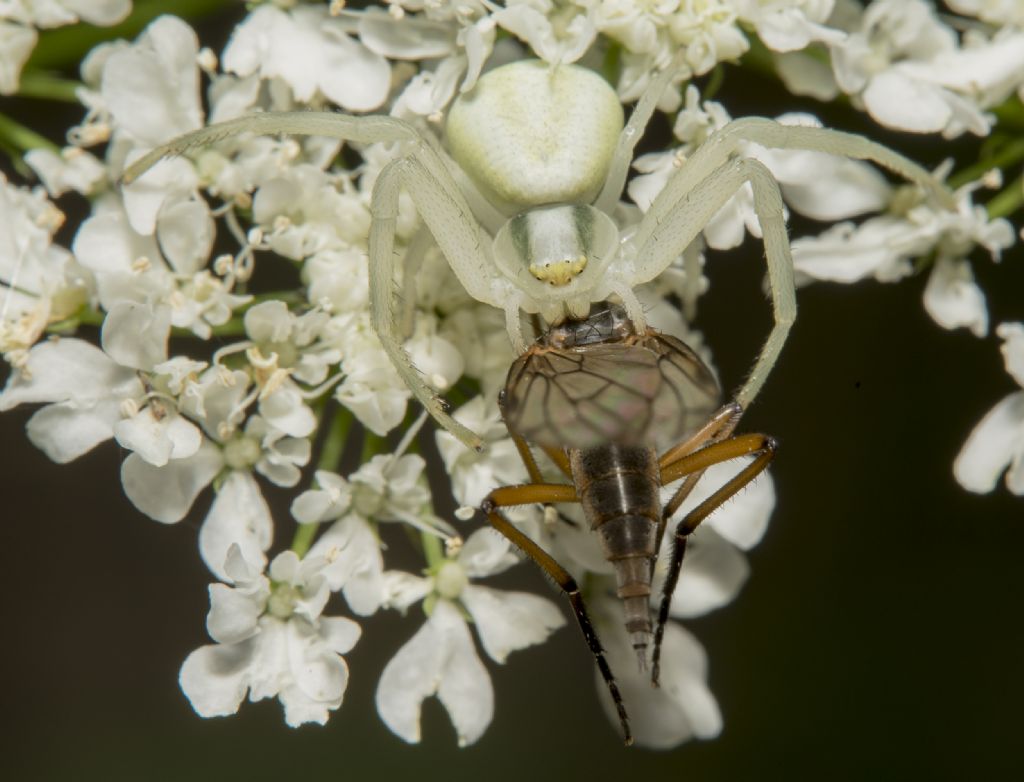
(529, 134)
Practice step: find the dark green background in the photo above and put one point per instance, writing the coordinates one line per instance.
(879, 636)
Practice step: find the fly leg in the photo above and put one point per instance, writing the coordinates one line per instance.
(546, 494)
(556, 455)
(696, 463)
(721, 425)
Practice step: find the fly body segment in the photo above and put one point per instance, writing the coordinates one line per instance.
(521, 201)
(621, 413)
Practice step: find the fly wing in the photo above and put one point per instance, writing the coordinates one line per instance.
(689, 393)
(649, 393)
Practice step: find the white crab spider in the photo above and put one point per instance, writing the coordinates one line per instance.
(522, 213)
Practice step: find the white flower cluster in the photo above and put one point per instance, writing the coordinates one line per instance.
(20, 21)
(269, 365)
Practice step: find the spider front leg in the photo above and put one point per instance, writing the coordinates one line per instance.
(622, 158)
(696, 463)
(677, 215)
(437, 197)
(457, 234)
(547, 494)
(366, 130)
(686, 218)
(726, 142)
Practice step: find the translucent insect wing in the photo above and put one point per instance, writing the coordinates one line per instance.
(649, 393)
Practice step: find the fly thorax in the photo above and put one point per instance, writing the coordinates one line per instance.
(556, 253)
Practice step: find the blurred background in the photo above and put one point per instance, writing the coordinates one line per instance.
(879, 635)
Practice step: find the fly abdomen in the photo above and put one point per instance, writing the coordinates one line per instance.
(618, 489)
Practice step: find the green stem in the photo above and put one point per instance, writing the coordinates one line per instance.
(1010, 113)
(36, 84)
(329, 457)
(1007, 201)
(330, 454)
(304, 536)
(16, 136)
(1007, 155)
(432, 550)
(714, 83)
(373, 444)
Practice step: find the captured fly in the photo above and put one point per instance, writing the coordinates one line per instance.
(601, 401)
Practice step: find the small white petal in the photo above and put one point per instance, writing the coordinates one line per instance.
(143, 198)
(328, 502)
(152, 87)
(166, 493)
(953, 298)
(507, 621)
(214, 678)
(285, 567)
(239, 514)
(806, 75)
(68, 369)
(486, 553)
(135, 335)
(102, 13)
(339, 633)
(900, 102)
(1012, 335)
(353, 77)
(286, 411)
(16, 44)
(354, 563)
(402, 589)
(268, 671)
(185, 231)
(440, 659)
(437, 359)
(268, 321)
(414, 38)
(681, 709)
(713, 573)
(64, 431)
(320, 673)
(233, 614)
(996, 442)
(158, 440)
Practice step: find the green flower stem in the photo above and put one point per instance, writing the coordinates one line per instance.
(304, 536)
(36, 84)
(16, 136)
(373, 444)
(714, 83)
(1008, 200)
(330, 454)
(432, 550)
(1010, 113)
(1007, 155)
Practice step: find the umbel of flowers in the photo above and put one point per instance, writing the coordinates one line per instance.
(86, 328)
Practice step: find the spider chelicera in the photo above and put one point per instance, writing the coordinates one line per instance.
(521, 208)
